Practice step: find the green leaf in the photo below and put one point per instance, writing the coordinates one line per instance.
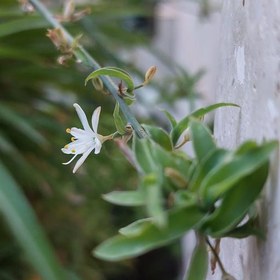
(202, 140)
(213, 160)
(143, 154)
(125, 198)
(119, 122)
(18, 122)
(18, 25)
(236, 203)
(159, 136)
(151, 187)
(113, 72)
(181, 162)
(184, 123)
(24, 225)
(171, 119)
(198, 267)
(5, 145)
(184, 198)
(136, 228)
(224, 178)
(123, 247)
(246, 230)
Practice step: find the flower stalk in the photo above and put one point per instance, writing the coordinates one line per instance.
(84, 57)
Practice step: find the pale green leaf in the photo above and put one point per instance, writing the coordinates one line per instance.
(143, 152)
(136, 228)
(125, 198)
(123, 247)
(151, 186)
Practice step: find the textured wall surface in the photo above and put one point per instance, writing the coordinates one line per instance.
(249, 75)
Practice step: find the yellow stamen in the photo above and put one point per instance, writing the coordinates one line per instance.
(66, 146)
(73, 151)
(73, 139)
(68, 130)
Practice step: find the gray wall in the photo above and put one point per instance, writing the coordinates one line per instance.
(249, 75)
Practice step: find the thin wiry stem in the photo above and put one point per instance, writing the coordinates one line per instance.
(82, 55)
(216, 256)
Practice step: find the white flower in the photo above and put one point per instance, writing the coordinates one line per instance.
(84, 141)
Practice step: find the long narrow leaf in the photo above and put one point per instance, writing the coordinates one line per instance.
(184, 123)
(199, 262)
(15, 120)
(24, 225)
(21, 24)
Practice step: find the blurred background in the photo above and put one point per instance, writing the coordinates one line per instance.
(36, 98)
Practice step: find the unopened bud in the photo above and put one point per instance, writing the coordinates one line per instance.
(175, 177)
(150, 74)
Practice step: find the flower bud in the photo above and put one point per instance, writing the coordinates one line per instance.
(175, 177)
(150, 74)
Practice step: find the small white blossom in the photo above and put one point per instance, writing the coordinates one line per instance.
(84, 141)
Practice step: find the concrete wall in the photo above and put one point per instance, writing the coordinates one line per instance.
(239, 47)
(249, 75)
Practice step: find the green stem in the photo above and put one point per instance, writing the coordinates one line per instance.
(88, 60)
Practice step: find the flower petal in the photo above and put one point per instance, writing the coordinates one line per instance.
(78, 146)
(65, 163)
(80, 133)
(95, 119)
(82, 117)
(98, 146)
(82, 159)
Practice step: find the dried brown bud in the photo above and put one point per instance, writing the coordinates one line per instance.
(150, 74)
(26, 6)
(69, 13)
(68, 9)
(64, 58)
(58, 39)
